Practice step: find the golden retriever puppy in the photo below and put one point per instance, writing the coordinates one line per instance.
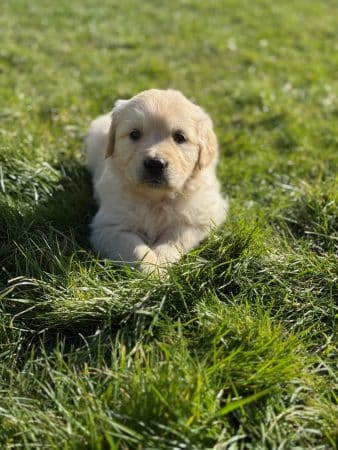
(153, 161)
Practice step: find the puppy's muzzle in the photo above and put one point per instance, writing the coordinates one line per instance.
(154, 170)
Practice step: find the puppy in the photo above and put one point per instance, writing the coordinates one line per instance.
(153, 162)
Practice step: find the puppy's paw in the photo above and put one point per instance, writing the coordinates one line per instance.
(166, 254)
(148, 261)
(153, 270)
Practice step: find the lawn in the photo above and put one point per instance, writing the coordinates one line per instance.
(237, 348)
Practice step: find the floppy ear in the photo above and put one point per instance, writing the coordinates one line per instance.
(208, 145)
(118, 106)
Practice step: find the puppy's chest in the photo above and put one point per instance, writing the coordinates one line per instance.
(152, 221)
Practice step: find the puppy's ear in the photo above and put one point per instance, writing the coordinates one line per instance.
(208, 145)
(118, 107)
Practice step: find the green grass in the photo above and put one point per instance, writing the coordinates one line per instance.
(237, 348)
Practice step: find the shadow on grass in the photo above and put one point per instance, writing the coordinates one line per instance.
(38, 242)
(30, 236)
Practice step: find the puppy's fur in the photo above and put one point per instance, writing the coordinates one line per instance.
(153, 163)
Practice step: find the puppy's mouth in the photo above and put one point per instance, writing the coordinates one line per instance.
(155, 182)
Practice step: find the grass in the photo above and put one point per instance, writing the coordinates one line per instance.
(237, 349)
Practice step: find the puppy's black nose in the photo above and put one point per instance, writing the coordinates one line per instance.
(155, 166)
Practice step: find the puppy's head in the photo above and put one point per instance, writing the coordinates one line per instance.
(160, 140)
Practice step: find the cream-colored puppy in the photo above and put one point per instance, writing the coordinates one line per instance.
(153, 163)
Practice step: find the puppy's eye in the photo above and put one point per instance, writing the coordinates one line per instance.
(179, 137)
(135, 135)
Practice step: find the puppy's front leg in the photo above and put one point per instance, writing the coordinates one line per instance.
(170, 246)
(110, 242)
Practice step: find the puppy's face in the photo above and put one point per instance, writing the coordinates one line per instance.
(159, 140)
